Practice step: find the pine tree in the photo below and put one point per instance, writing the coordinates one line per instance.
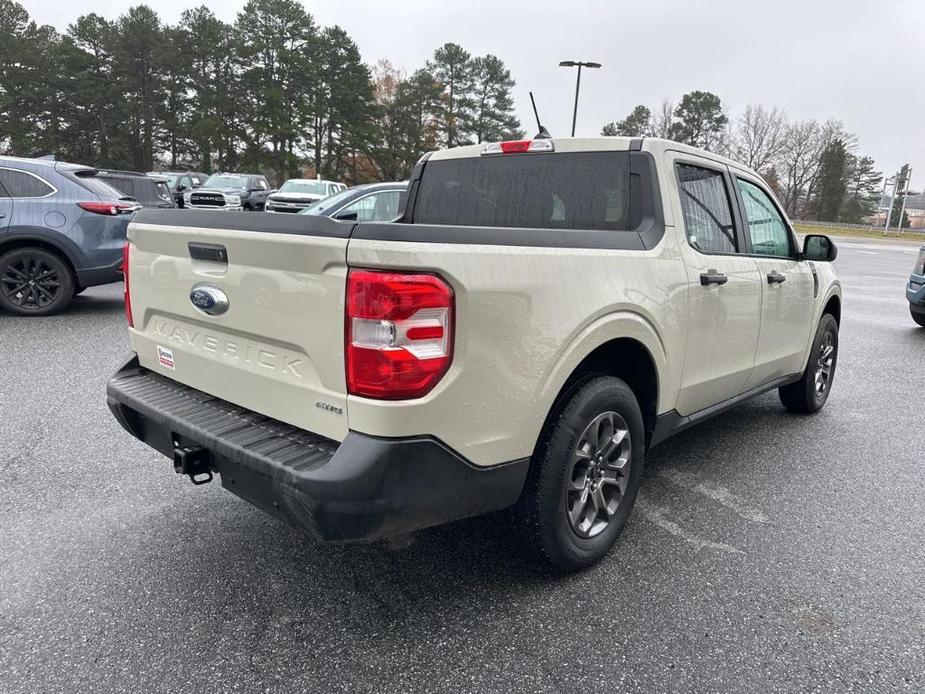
(699, 120)
(831, 183)
(493, 114)
(637, 124)
(136, 66)
(207, 48)
(276, 41)
(863, 194)
(452, 66)
(94, 93)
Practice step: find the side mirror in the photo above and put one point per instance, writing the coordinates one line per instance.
(180, 187)
(347, 216)
(819, 247)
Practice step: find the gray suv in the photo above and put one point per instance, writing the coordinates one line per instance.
(62, 229)
(915, 291)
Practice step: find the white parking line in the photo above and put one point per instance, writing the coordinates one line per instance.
(717, 493)
(659, 516)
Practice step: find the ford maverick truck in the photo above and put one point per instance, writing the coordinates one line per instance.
(541, 314)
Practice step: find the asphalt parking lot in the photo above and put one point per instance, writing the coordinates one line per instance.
(768, 552)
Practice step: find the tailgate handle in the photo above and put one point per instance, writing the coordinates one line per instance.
(212, 252)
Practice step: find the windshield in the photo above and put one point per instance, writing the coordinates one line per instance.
(171, 180)
(324, 206)
(307, 187)
(226, 181)
(574, 190)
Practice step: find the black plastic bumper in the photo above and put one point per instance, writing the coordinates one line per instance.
(105, 274)
(361, 489)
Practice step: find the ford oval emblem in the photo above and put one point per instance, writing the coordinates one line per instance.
(209, 299)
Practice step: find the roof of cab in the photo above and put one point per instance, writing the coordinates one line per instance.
(600, 144)
(561, 144)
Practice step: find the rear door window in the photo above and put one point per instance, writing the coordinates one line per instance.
(573, 190)
(19, 184)
(707, 210)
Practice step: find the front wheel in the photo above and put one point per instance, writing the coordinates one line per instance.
(34, 282)
(918, 317)
(810, 393)
(584, 475)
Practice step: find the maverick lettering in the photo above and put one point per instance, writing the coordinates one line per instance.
(231, 349)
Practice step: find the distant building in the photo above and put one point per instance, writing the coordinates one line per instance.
(915, 210)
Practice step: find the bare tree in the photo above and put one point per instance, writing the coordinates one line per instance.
(758, 139)
(662, 120)
(799, 161)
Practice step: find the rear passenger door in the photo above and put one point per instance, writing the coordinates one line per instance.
(6, 208)
(787, 286)
(723, 287)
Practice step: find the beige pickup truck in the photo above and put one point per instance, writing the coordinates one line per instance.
(542, 314)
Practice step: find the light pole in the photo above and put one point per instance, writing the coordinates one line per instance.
(579, 64)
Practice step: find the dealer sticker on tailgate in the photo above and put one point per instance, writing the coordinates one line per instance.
(165, 357)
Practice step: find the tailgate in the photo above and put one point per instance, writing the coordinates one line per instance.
(278, 349)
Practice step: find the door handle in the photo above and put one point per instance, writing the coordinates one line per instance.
(712, 277)
(776, 278)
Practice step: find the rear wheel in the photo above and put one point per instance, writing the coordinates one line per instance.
(810, 393)
(918, 317)
(34, 282)
(584, 475)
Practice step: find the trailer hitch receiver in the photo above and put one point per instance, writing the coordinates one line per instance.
(194, 462)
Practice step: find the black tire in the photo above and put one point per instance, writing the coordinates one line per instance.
(559, 474)
(918, 317)
(810, 393)
(34, 282)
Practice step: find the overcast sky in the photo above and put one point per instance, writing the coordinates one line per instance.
(859, 61)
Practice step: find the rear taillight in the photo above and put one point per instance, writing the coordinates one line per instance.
(126, 257)
(108, 208)
(518, 146)
(399, 333)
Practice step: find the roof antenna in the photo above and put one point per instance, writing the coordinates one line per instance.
(543, 133)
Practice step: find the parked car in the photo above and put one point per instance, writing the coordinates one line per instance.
(146, 190)
(62, 229)
(180, 182)
(370, 202)
(230, 191)
(542, 314)
(915, 292)
(298, 193)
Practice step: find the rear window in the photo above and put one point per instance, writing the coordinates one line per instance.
(123, 184)
(19, 184)
(87, 179)
(575, 190)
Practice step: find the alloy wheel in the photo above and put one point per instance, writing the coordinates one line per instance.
(29, 282)
(825, 360)
(598, 474)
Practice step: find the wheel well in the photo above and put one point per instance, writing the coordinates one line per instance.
(834, 307)
(628, 360)
(13, 244)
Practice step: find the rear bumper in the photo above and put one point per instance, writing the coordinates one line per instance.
(105, 274)
(361, 489)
